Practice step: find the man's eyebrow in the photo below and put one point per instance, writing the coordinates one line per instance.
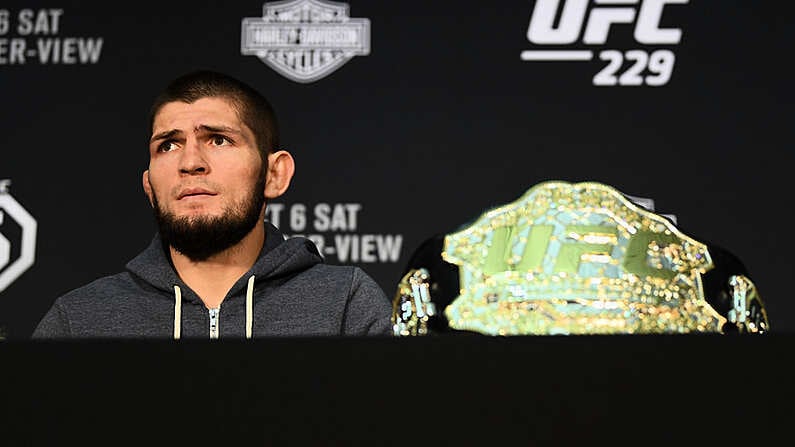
(165, 135)
(202, 127)
(218, 129)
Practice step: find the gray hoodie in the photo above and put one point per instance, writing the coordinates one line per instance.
(287, 292)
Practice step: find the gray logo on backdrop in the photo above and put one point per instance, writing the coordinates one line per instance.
(11, 209)
(305, 40)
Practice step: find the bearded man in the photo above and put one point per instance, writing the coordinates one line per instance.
(216, 268)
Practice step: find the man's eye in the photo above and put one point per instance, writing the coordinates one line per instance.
(219, 140)
(166, 146)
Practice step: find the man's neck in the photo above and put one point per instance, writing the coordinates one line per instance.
(212, 278)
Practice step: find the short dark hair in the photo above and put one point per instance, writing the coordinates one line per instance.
(252, 107)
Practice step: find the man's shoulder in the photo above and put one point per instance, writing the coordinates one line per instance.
(355, 280)
(335, 272)
(368, 310)
(97, 289)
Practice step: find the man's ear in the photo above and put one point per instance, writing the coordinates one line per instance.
(147, 187)
(281, 168)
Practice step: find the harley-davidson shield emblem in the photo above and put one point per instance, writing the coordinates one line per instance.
(305, 40)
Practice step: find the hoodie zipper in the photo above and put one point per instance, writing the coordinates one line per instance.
(214, 317)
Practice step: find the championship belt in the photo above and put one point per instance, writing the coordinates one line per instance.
(574, 259)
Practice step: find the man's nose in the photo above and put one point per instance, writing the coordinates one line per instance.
(193, 160)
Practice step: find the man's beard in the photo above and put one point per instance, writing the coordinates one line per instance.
(201, 237)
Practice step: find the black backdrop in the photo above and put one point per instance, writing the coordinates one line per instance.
(441, 120)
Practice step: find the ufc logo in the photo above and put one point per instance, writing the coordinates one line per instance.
(525, 249)
(597, 27)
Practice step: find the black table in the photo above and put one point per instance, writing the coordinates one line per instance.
(441, 390)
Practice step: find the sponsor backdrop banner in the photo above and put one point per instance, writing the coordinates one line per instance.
(406, 119)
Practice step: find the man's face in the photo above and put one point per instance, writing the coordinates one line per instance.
(205, 175)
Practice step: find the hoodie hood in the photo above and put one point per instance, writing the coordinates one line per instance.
(279, 257)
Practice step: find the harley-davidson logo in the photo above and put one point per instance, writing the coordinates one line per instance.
(305, 40)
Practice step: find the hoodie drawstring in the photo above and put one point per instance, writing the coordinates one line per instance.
(249, 309)
(249, 306)
(177, 311)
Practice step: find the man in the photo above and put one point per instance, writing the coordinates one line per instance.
(216, 269)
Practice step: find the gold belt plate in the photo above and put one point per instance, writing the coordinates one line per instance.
(578, 258)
